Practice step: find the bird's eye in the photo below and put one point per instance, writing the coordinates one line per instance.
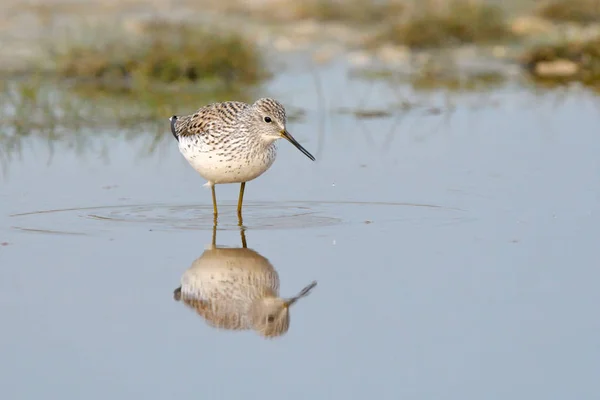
(270, 318)
(268, 120)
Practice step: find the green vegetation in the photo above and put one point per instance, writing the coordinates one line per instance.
(579, 11)
(164, 53)
(349, 11)
(567, 62)
(441, 23)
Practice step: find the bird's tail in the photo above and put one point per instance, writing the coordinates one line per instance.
(177, 294)
(173, 120)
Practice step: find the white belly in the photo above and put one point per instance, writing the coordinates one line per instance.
(218, 166)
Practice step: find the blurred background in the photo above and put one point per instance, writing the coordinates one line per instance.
(136, 62)
(451, 219)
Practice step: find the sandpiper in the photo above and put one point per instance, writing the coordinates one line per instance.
(232, 142)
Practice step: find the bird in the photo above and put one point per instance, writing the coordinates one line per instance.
(233, 141)
(237, 289)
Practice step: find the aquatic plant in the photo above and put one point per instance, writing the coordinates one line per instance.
(580, 11)
(164, 53)
(436, 23)
(350, 11)
(573, 61)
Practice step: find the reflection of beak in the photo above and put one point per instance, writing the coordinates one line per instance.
(304, 292)
(288, 136)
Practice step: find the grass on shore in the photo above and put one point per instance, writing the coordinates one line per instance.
(565, 62)
(577, 11)
(350, 11)
(435, 23)
(164, 53)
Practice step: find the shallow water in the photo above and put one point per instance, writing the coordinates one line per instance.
(455, 254)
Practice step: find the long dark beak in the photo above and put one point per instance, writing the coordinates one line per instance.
(303, 293)
(293, 141)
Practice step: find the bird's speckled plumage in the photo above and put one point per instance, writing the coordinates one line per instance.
(224, 142)
(232, 142)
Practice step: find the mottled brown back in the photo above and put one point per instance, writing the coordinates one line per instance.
(208, 119)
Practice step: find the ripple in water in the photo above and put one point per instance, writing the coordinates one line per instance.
(256, 216)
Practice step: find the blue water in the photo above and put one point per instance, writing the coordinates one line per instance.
(455, 253)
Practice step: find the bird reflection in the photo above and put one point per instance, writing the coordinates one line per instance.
(237, 289)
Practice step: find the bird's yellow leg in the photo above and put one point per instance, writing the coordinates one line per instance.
(214, 199)
(241, 199)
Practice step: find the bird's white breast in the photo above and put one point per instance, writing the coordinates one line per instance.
(226, 165)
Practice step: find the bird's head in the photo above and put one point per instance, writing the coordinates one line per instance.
(270, 120)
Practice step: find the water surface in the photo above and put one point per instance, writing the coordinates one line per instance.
(455, 253)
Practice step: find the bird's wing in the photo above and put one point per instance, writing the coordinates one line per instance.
(207, 119)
